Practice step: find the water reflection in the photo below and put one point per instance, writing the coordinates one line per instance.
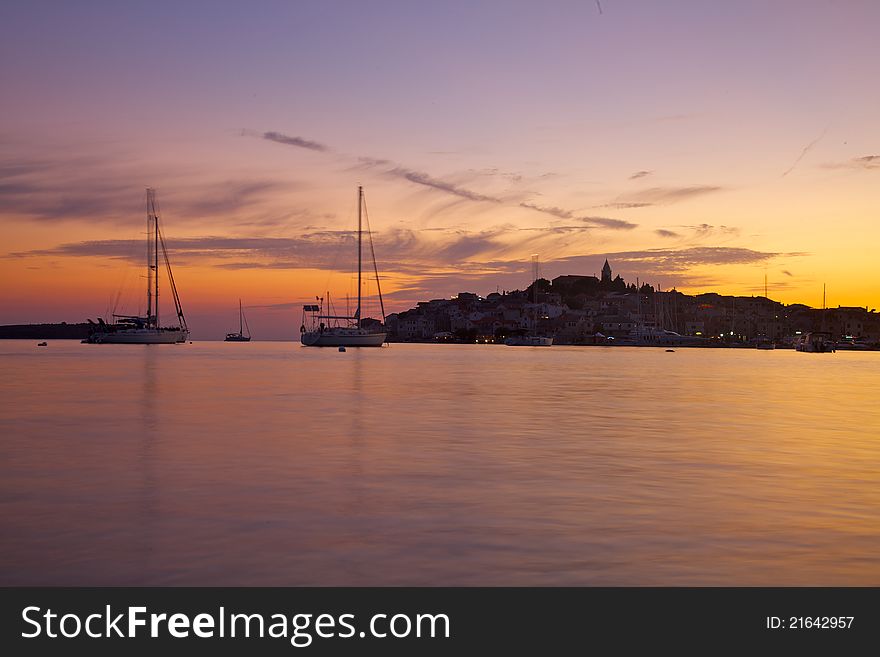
(447, 464)
(147, 436)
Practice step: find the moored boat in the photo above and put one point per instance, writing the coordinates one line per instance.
(816, 342)
(146, 329)
(240, 336)
(321, 328)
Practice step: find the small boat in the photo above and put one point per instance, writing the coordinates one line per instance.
(137, 329)
(815, 342)
(321, 328)
(240, 336)
(42, 344)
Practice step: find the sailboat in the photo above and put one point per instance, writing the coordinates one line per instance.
(240, 336)
(762, 341)
(531, 338)
(146, 329)
(817, 342)
(321, 328)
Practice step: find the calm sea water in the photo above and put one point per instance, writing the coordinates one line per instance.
(272, 464)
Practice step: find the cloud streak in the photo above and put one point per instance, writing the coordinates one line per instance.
(665, 195)
(677, 260)
(598, 222)
(805, 150)
(865, 163)
(423, 179)
(420, 178)
(280, 138)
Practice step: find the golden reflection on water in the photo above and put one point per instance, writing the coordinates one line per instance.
(267, 463)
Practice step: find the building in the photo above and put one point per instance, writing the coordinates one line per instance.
(606, 272)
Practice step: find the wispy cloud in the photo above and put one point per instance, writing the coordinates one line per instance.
(551, 210)
(662, 232)
(678, 259)
(52, 200)
(666, 195)
(866, 162)
(75, 190)
(399, 250)
(609, 223)
(624, 206)
(805, 150)
(599, 222)
(640, 174)
(420, 178)
(229, 196)
(280, 138)
(709, 230)
(417, 177)
(787, 273)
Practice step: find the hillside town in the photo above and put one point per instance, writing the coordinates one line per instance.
(588, 310)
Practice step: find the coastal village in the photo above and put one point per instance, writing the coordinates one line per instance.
(589, 310)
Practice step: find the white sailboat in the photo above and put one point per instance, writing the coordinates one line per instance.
(322, 329)
(137, 329)
(240, 336)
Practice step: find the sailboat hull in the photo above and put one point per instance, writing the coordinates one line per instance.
(138, 336)
(343, 337)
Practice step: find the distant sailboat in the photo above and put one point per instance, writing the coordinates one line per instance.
(531, 338)
(321, 329)
(817, 342)
(240, 336)
(763, 342)
(137, 329)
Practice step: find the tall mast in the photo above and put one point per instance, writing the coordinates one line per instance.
(239, 317)
(360, 240)
(534, 292)
(149, 257)
(156, 257)
(152, 260)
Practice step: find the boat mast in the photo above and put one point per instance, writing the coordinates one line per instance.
(239, 317)
(152, 260)
(360, 240)
(149, 259)
(156, 258)
(534, 293)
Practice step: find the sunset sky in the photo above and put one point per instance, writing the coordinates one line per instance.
(697, 145)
